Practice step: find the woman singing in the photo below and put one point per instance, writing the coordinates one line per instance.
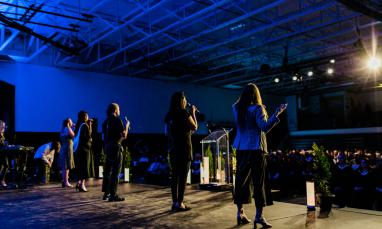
(66, 153)
(179, 126)
(252, 124)
(83, 155)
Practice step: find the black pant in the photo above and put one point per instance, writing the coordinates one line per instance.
(113, 167)
(252, 166)
(179, 172)
(42, 171)
(4, 164)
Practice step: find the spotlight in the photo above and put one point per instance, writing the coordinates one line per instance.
(332, 61)
(374, 63)
(294, 78)
(310, 73)
(330, 71)
(277, 80)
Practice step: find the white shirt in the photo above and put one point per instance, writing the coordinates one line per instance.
(45, 153)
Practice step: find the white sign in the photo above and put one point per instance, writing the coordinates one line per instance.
(310, 197)
(189, 177)
(127, 175)
(100, 171)
(206, 170)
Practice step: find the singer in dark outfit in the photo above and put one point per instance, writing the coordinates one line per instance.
(114, 133)
(252, 124)
(83, 155)
(179, 126)
(4, 164)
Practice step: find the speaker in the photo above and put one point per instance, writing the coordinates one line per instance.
(7, 108)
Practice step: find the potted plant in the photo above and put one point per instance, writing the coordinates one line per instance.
(322, 177)
(126, 164)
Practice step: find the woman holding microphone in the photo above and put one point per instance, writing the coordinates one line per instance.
(252, 124)
(180, 124)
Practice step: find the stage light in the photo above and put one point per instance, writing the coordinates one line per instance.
(277, 80)
(332, 61)
(330, 71)
(310, 73)
(374, 63)
(294, 78)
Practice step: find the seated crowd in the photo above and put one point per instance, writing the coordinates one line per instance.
(356, 175)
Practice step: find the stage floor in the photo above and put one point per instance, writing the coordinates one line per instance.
(148, 206)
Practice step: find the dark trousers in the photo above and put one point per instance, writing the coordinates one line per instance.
(42, 171)
(113, 167)
(252, 166)
(4, 164)
(179, 172)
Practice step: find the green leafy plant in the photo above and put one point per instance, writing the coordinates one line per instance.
(126, 158)
(223, 159)
(321, 166)
(102, 157)
(208, 153)
(233, 159)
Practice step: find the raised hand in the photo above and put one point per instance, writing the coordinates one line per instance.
(281, 109)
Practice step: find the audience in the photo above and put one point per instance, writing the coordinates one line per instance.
(356, 175)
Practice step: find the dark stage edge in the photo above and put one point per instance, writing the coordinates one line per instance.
(148, 206)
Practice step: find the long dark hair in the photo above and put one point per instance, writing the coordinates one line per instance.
(249, 96)
(65, 123)
(81, 116)
(175, 105)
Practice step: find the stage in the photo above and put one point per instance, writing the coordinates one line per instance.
(148, 206)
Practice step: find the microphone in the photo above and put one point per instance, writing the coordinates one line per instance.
(127, 122)
(190, 106)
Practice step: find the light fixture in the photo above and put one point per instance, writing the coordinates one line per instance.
(310, 73)
(374, 63)
(277, 80)
(330, 71)
(294, 78)
(332, 61)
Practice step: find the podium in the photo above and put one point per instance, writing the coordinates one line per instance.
(216, 166)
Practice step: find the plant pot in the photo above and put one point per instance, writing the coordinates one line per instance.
(326, 202)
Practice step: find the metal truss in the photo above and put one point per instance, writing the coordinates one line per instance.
(219, 43)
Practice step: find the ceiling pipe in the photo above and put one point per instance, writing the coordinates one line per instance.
(87, 19)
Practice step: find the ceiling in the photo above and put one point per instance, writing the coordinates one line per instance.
(220, 43)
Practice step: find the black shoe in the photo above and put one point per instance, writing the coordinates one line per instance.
(81, 189)
(173, 207)
(116, 199)
(242, 219)
(263, 223)
(179, 209)
(106, 196)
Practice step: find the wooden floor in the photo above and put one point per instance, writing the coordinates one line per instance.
(148, 206)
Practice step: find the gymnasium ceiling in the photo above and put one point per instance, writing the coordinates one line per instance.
(220, 43)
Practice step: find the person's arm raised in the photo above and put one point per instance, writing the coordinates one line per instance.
(264, 123)
(126, 130)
